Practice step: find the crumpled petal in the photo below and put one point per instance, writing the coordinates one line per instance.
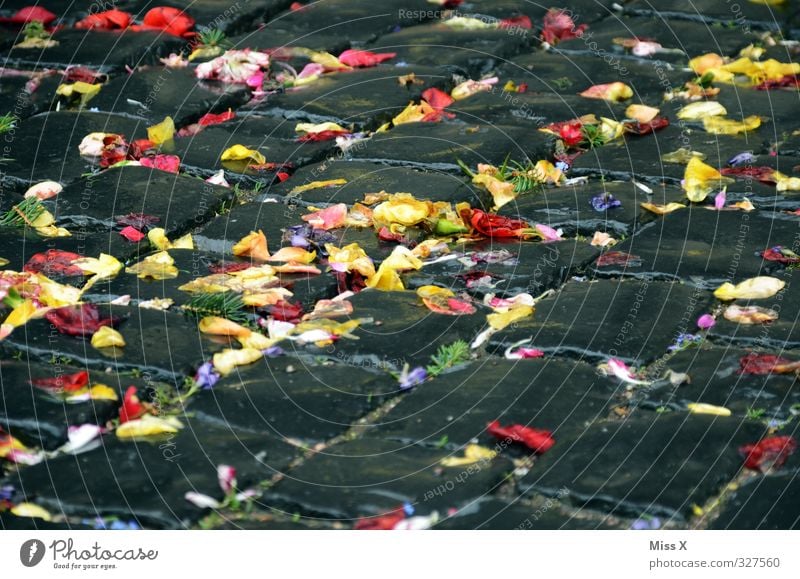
(752, 289)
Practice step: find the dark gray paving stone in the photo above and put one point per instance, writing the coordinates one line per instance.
(180, 203)
(639, 157)
(570, 74)
(437, 146)
(661, 466)
(767, 502)
(778, 335)
(476, 52)
(495, 514)
(274, 138)
(168, 346)
(363, 178)
(40, 419)
(222, 232)
(703, 246)
(289, 398)
(157, 92)
(715, 380)
(15, 99)
(570, 208)
(456, 406)
(749, 15)
(597, 320)
(684, 38)
(372, 477)
(109, 51)
(403, 331)
(146, 480)
(365, 98)
(46, 146)
(534, 268)
(9, 522)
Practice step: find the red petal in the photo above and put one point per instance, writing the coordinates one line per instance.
(54, 262)
(438, 99)
(353, 57)
(131, 407)
(760, 364)
(618, 258)
(30, 14)
(321, 136)
(385, 522)
(539, 441)
(768, 453)
(171, 20)
(108, 20)
(132, 234)
(168, 163)
(558, 25)
(82, 320)
(66, 382)
(521, 21)
(215, 119)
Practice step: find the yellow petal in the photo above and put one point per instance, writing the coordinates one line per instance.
(700, 180)
(183, 242)
(502, 192)
(252, 245)
(107, 337)
(641, 113)
(148, 425)
(498, 321)
(85, 90)
(293, 254)
(103, 267)
(218, 326)
(157, 267)
(472, 453)
(701, 110)
(615, 92)
(31, 510)
(318, 185)
(413, 113)
(662, 209)
(722, 126)
(21, 314)
(242, 153)
(162, 132)
(158, 238)
(752, 289)
(227, 360)
(703, 408)
(102, 392)
(402, 208)
(317, 128)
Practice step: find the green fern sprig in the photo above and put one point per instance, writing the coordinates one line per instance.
(448, 356)
(225, 305)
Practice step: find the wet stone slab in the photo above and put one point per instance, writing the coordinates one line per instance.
(437, 146)
(108, 51)
(40, 419)
(398, 318)
(363, 178)
(475, 52)
(765, 503)
(661, 466)
(633, 321)
(179, 203)
(109, 481)
(364, 98)
(168, 346)
(372, 477)
(570, 208)
(716, 379)
(639, 157)
(288, 397)
(274, 138)
(750, 14)
(532, 268)
(683, 39)
(28, 159)
(456, 406)
(703, 247)
(496, 514)
(157, 92)
(778, 335)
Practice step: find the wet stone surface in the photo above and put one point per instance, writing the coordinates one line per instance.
(591, 320)
(174, 465)
(377, 401)
(551, 394)
(354, 479)
(661, 466)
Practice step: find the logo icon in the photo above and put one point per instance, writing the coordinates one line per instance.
(32, 552)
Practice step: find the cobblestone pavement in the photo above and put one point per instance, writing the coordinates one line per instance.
(401, 264)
